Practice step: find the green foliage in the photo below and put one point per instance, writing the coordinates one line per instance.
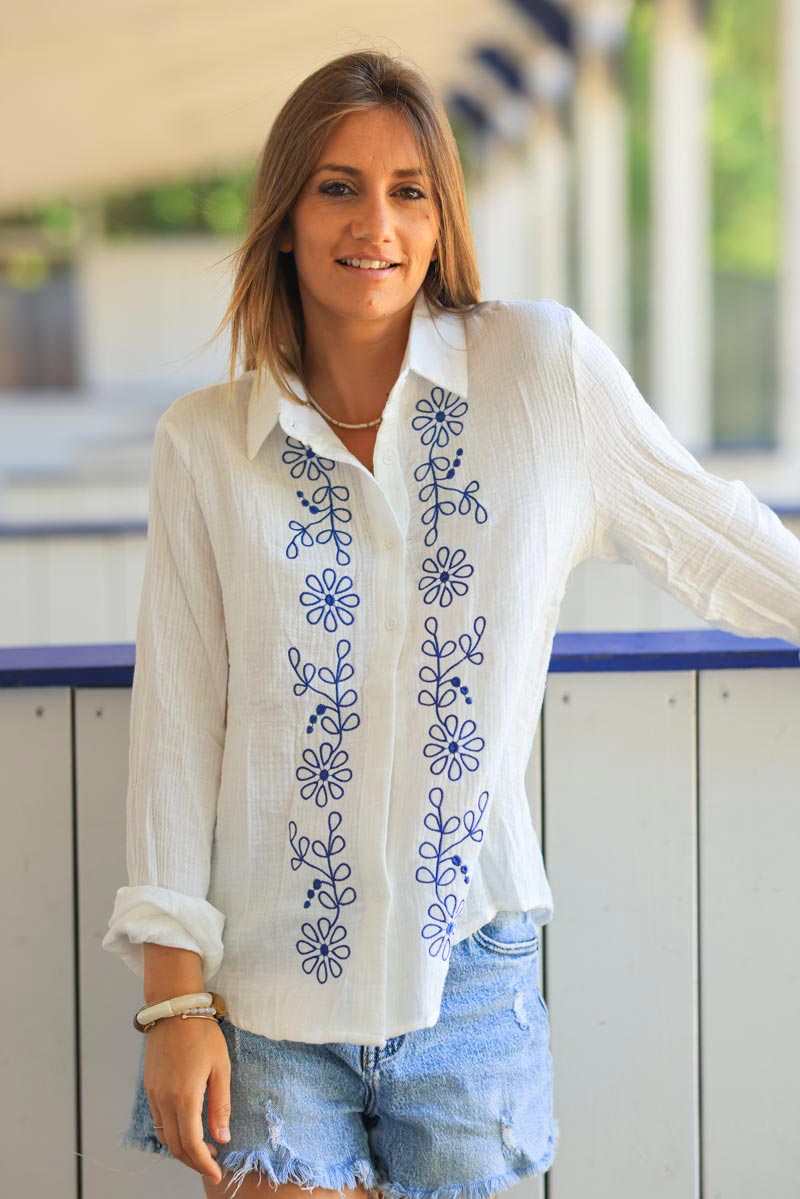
(743, 130)
(217, 205)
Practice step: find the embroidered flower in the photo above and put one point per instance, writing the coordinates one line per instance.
(304, 462)
(324, 774)
(443, 921)
(453, 748)
(324, 949)
(329, 600)
(438, 419)
(445, 576)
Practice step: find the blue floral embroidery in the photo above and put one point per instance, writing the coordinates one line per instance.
(329, 601)
(437, 425)
(458, 754)
(324, 948)
(324, 506)
(444, 913)
(445, 577)
(453, 745)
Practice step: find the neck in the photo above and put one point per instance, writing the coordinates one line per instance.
(351, 365)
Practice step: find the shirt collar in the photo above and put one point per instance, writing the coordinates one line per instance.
(435, 350)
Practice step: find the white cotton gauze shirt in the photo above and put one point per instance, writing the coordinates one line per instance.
(339, 674)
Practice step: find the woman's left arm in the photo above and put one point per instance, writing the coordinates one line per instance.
(708, 541)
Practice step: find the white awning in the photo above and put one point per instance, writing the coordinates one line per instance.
(104, 95)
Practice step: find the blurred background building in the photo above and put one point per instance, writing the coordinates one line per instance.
(639, 161)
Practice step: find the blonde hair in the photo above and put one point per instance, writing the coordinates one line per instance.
(265, 311)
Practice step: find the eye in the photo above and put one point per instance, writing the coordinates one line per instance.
(327, 189)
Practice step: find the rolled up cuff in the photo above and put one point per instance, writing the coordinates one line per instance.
(160, 916)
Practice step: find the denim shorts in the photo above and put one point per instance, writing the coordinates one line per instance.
(462, 1108)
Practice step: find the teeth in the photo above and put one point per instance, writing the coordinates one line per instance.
(371, 264)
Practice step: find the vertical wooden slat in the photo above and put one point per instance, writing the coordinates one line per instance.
(620, 839)
(110, 991)
(750, 946)
(37, 1000)
(536, 1188)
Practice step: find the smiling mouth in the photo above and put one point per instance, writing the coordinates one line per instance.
(366, 269)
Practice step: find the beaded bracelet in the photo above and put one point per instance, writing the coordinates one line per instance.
(205, 1005)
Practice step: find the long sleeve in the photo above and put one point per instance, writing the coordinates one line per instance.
(177, 728)
(708, 541)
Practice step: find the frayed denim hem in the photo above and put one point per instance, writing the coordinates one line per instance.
(293, 1169)
(240, 1163)
(480, 1190)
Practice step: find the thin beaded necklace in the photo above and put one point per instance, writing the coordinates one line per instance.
(367, 424)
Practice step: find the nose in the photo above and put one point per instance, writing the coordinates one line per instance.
(372, 221)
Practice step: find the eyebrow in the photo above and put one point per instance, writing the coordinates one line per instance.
(401, 173)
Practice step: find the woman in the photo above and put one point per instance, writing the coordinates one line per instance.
(355, 561)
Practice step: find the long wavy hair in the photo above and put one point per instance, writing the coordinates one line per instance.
(265, 312)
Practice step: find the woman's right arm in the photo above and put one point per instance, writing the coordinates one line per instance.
(163, 925)
(177, 727)
(169, 972)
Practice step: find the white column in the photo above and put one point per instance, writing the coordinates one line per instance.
(497, 214)
(681, 324)
(480, 214)
(548, 173)
(600, 119)
(789, 329)
(500, 210)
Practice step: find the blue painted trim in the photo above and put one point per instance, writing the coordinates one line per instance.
(550, 20)
(471, 108)
(73, 528)
(67, 665)
(668, 649)
(504, 67)
(683, 649)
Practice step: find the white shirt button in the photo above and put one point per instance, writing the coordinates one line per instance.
(389, 543)
(391, 622)
(388, 456)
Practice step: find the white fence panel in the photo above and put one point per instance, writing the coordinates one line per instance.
(110, 992)
(38, 997)
(620, 849)
(749, 942)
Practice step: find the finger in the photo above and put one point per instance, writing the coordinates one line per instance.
(190, 1124)
(157, 1121)
(219, 1104)
(171, 1134)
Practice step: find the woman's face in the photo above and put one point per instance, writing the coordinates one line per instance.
(354, 204)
